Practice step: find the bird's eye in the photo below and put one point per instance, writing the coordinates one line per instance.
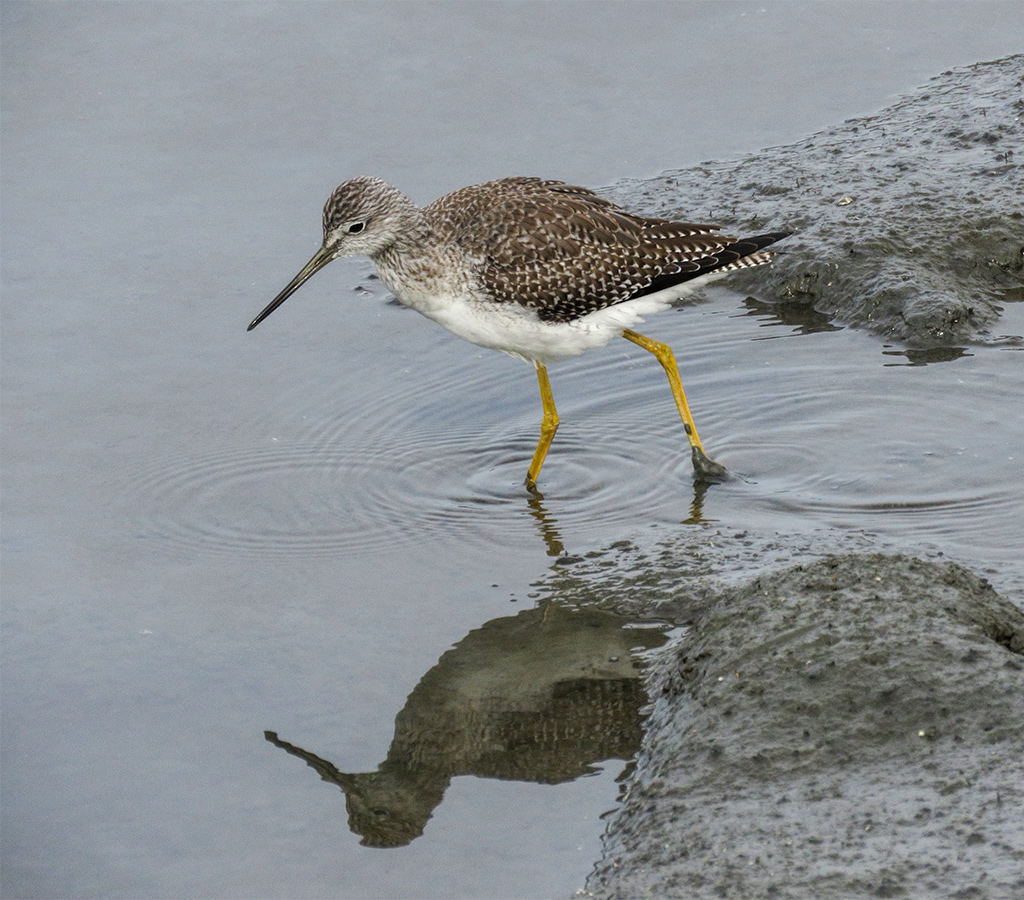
(356, 227)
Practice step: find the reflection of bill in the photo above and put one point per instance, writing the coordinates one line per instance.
(541, 696)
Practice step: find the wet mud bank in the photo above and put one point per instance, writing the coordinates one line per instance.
(908, 223)
(839, 722)
(850, 727)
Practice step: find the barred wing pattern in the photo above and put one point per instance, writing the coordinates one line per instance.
(564, 251)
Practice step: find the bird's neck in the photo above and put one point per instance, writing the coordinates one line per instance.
(409, 231)
(420, 268)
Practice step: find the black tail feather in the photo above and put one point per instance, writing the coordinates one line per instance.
(729, 254)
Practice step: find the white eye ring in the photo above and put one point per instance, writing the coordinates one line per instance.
(356, 227)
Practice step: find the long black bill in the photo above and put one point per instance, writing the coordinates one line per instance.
(320, 259)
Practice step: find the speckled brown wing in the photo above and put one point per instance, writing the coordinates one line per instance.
(565, 252)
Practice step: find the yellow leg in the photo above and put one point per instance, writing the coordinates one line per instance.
(704, 466)
(548, 425)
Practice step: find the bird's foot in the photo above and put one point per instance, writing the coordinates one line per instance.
(706, 469)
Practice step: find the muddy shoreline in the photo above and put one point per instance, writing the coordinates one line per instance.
(907, 223)
(850, 724)
(850, 727)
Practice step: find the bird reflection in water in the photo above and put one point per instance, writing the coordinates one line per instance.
(542, 696)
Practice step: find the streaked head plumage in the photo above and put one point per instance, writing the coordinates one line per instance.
(364, 216)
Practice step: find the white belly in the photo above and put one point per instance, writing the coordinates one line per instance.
(515, 329)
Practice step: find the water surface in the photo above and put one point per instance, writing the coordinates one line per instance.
(210, 534)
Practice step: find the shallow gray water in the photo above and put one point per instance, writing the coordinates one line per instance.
(208, 534)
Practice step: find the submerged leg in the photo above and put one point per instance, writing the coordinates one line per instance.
(703, 465)
(548, 425)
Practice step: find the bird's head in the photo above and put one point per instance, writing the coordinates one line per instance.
(363, 217)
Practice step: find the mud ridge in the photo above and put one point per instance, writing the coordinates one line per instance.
(850, 727)
(907, 223)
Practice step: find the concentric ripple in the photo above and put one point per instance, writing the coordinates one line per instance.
(432, 450)
(443, 461)
(425, 488)
(278, 499)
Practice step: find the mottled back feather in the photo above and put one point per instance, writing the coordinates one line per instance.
(564, 251)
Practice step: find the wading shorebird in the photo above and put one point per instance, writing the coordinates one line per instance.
(538, 269)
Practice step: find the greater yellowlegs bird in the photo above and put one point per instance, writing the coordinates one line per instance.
(538, 269)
